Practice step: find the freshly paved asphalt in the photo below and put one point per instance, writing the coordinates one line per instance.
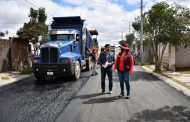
(30, 101)
(151, 100)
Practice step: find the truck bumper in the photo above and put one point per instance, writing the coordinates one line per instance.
(52, 70)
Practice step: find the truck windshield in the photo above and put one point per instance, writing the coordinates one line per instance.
(62, 37)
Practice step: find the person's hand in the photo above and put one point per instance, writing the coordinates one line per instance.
(130, 73)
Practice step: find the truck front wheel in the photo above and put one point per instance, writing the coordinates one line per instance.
(77, 70)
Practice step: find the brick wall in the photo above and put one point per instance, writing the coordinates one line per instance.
(5, 55)
(13, 54)
(182, 59)
(19, 53)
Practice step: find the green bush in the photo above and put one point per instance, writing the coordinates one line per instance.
(142, 63)
(5, 78)
(26, 71)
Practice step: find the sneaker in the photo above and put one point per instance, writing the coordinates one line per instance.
(121, 95)
(127, 97)
(110, 92)
(103, 92)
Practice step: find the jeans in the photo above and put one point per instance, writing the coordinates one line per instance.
(124, 78)
(107, 71)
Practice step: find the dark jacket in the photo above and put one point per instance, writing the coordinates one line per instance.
(103, 59)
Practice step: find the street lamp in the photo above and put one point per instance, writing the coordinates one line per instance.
(129, 24)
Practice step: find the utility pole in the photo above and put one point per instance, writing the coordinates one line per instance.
(121, 35)
(141, 34)
(129, 26)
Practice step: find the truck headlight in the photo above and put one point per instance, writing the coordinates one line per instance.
(66, 61)
(35, 60)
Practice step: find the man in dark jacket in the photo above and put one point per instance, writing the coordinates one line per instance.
(106, 61)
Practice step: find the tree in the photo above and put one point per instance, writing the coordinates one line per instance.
(35, 27)
(164, 24)
(130, 39)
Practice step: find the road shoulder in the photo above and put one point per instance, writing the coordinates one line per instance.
(174, 83)
(11, 77)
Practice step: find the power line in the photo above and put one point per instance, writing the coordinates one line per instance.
(103, 17)
(11, 23)
(46, 10)
(37, 7)
(123, 12)
(31, 4)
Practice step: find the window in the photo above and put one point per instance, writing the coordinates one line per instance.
(62, 37)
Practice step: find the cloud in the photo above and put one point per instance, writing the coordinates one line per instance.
(103, 15)
(137, 1)
(132, 1)
(13, 14)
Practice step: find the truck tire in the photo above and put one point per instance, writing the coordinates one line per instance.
(88, 64)
(77, 71)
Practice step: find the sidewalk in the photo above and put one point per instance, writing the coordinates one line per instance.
(10, 77)
(176, 79)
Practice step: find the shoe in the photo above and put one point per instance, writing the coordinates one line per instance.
(110, 92)
(121, 95)
(127, 97)
(103, 92)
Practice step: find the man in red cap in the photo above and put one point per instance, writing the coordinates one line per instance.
(124, 66)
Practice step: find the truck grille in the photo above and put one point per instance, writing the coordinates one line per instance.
(53, 55)
(45, 55)
(49, 55)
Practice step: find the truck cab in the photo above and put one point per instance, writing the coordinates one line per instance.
(65, 54)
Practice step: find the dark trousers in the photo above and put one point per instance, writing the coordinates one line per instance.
(109, 73)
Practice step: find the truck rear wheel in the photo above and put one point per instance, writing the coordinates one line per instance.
(77, 70)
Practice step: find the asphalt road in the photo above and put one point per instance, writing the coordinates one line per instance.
(29, 101)
(151, 100)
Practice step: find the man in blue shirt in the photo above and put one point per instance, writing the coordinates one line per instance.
(106, 61)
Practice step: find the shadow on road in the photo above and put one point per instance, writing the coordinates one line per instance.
(141, 75)
(101, 100)
(53, 81)
(173, 114)
(138, 76)
(86, 96)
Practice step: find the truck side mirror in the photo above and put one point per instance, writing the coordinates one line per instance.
(78, 38)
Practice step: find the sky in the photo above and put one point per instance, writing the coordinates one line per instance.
(111, 18)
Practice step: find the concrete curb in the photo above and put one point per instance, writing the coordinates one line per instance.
(170, 82)
(12, 80)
